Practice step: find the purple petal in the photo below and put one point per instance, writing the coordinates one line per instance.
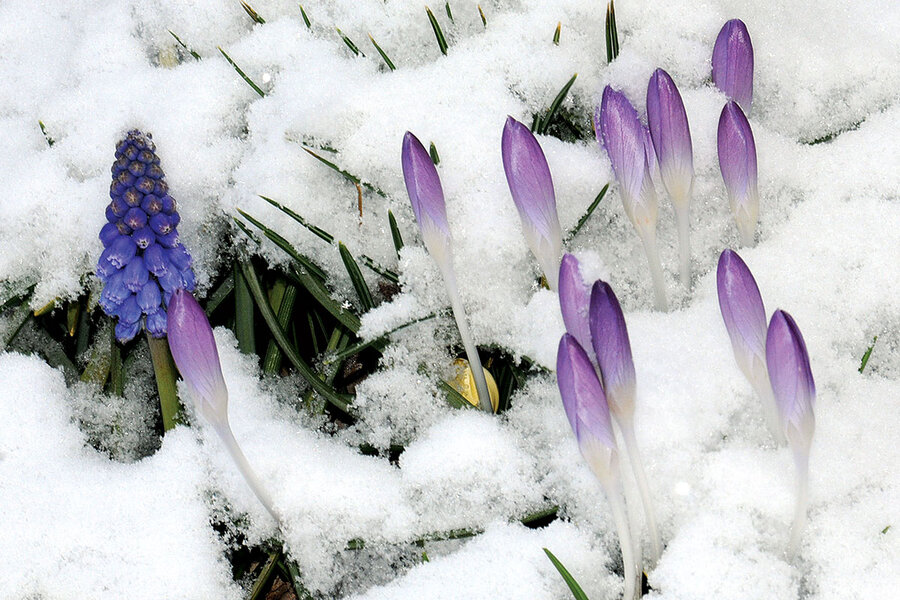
(574, 302)
(194, 350)
(650, 153)
(732, 63)
(737, 161)
(156, 324)
(582, 396)
(618, 129)
(742, 310)
(129, 311)
(671, 135)
(108, 234)
(121, 251)
(136, 274)
(425, 193)
(149, 298)
(612, 347)
(791, 377)
(156, 261)
(127, 331)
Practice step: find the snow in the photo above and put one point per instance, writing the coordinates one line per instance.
(85, 523)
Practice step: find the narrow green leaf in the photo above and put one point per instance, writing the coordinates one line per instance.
(615, 30)
(50, 140)
(285, 308)
(282, 243)
(244, 330)
(116, 368)
(483, 19)
(609, 42)
(435, 158)
(305, 18)
(576, 590)
(340, 401)
(259, 586)
(293, 574)
(454, 398)
(587, 214)
(612, 36)
(395, 233)
(316, 230)
(554, 106)
(556, 33)
(164, 369)
(438, 33)
(252, 13)
(379, 342)
(243, 75)
(885, 530)
(21, 316)
(356, 278)
(867, 355)
(97, 368)
(219, 295)
(349, 42)
(187, 48)
(346, 174)
(447, 8)
(384, 56)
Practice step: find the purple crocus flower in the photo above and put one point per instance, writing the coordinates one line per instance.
(620, 132)
(574, 301)
(139, 241)
(672, 142)
(531, 187)
(737, 161)
(732, 63)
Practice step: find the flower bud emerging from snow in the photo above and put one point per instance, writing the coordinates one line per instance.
(792, 380)
(732, 63)
(531, 187)
(609, 336)
(743, 312)
(671, 136)
(737, 161)
(139, 242)
(574, 302)
(426, 196)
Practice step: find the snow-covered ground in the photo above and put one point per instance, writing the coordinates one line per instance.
(76, 524)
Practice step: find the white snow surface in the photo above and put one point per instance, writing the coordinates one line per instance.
(76, 524)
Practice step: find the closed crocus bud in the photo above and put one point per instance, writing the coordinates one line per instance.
(609, 335)
(732, 63)
(531, 187)
(737, 161)
(427, 197)
(620, 132)
(574, 301)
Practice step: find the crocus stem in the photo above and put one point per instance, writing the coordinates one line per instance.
(227, 437)
(632, 587)
(764, 391)
(164, 368)
(648, 237)
(484, 397)
(801, 459)
(637, 466)
(683, 220)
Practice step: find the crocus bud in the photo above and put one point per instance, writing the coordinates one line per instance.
(792, 380)
(574, 301)
(531, 187)
(732, 63)
(427, 197)
(737, 161)
(609, 336)
(671, 136)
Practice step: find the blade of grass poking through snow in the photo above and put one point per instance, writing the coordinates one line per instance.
(395, 233)
(318, 231)
(384, 56)
(356, 278)
(50, 140)
(243, 75)
(483, 19)
(576, 590)
(587, 214)
(346, 174)
(98, 365)
(164, 369)
(265, 575)
(252, 13)
(217, 297)
(435, 157)
(305, 18)
(293, 575)
(438, 33)
(378, 343)
(556, 33)
(243, 314)
(613, 30)
(454, 398)
(543, 123)
(867, 355)
(340, 401)
(187, 48)
(353, 48)
(282, 298)
(447, 8)
(282, 243)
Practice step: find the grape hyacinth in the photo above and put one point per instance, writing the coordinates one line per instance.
(143, 262)
(737, 161)
(732, 63)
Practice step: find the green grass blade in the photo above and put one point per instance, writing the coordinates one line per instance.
(384, 56)
(438, 33)
(340, 401)
(243, 314)
(346, 174)
(97, 369)
(252, 13)
(435, 157)
(867, 355)
(609, 43)
(265, 575)
(50, 140)
(576, 590)
(219, 295)
(483, 18)
(305, 18)
(447, 8)
(116, 367)
(283, 302)
(318, 231)
(379, 342)
(454, 398)
(556, 34)
(293, 574)
(353, 47)
(587, 214)
(356, 278)
(395, 233)
(187, 48)
(554, 106)
(243, 75)
(164, 369)
(286, 246)
(615, 30)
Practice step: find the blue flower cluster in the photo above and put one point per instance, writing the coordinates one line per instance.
(143, 262)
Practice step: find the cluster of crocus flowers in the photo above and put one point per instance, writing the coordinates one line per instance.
(193, 347)
(595, 324)
(776, 362)
(143, 262)
(427, 198)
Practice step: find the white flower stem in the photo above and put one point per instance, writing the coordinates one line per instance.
(648, 237)
(763, 389)
(683, 220)
(237, 455)
(801, 459)
(632, 569)
(637, 466)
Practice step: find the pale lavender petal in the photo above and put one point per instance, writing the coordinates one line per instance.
(619, 131)
(424, 188)
(609, 336)
(671, 135)
(574, 302)
(737, 161)
(732, 63)
(742, 310)
(791, 377)
(650, 153)
(194, 350)
(582, 395)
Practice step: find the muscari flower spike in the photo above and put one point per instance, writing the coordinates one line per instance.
(427, 198)
(745, 319)
(672, 142)
(732, 63)
(609, 336)
(737, 161)
(143, 262)
(795, 394)
(620, 131)
(586, 408)
(193, 348)
(528, 176)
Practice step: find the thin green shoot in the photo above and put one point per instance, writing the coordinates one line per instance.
(243, 75)
(438, 33)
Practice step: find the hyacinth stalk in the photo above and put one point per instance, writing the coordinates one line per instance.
(732, 63)
(745, 319)
(620, 132)
(672, 143)
(531, 186)
(737, 161)
(795, 395)
(609, 336)
(194, 350)
(586, 408)
(427, 198)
